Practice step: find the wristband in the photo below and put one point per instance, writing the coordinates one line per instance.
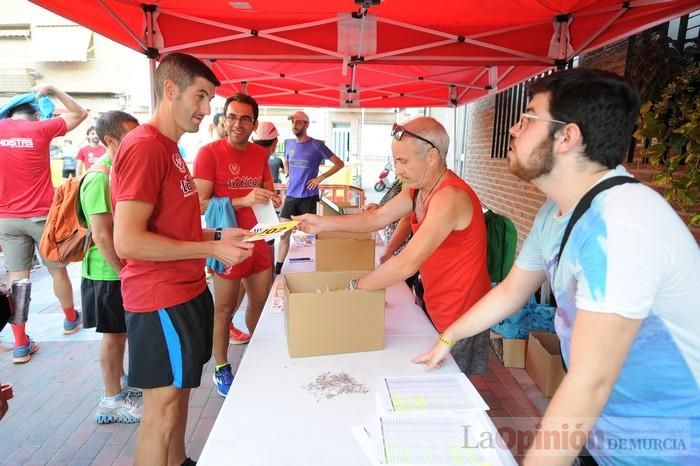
(446, 342)
(217, 234)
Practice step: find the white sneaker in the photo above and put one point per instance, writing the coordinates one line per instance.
(130, 391)
(122, 409)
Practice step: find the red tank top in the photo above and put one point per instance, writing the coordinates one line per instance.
(455, 276)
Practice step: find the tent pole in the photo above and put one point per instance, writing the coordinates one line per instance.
(151, 53)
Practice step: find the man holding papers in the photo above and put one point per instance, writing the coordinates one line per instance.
(234, 168)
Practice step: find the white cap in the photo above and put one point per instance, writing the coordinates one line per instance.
(266, 131)
(299, 116)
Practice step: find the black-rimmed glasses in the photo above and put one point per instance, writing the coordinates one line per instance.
(397, 132)
(244, 119)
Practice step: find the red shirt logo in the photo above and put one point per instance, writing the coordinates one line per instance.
(180, 163)
(235, 169)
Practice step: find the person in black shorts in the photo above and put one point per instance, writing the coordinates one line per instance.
(303, 157)
(100, 288)
(158, 235)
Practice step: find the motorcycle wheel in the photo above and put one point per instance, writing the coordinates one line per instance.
(379, 186)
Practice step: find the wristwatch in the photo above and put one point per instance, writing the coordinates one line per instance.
(217, 234)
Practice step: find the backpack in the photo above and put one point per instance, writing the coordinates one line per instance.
(67, 237)
(501, 241)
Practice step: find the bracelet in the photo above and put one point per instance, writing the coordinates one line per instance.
(446, 342)
(217, 234)
(352, 286)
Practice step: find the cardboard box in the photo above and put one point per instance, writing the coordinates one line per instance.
(331, 322)
(344, 251)
(543, 362)
(326, 207)
(510, 351)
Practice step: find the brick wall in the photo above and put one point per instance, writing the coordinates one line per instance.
(490, 178)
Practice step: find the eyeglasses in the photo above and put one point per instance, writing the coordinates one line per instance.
(397, 132)
(244, 119)
(526, 117)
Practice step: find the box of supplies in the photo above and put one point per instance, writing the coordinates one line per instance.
(323, 317)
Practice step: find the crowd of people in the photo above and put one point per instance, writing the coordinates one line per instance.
(626, 274)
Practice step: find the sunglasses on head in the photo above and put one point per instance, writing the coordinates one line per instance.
(397, 132)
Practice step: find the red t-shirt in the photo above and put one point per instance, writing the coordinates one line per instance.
(25, 168)
(455, 276)
(89, 155)
(234, 173)
(148, 167)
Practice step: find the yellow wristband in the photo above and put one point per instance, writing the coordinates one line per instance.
(446, 342)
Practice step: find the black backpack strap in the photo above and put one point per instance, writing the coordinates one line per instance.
(586, 201)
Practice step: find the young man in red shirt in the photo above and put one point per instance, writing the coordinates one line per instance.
(237, 169)
(158, 234)
(26, 194)
(449, 235)
(88, 155)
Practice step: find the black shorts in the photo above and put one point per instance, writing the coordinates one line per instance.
(103, 308)
(170, 346)
(298, 206)
(66, 173)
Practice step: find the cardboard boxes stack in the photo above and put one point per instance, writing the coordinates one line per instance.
(322, 317)
(344, 251)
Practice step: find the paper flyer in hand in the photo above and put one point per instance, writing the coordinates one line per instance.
(268, 232)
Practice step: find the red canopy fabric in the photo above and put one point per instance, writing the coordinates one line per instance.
(399, 53)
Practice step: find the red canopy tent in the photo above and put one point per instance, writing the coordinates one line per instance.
(397, 53)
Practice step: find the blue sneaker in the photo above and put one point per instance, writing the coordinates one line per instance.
(223, 378)
(22, 354)
(69, 327)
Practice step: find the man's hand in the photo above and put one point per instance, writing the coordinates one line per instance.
(43, 89)
(314, 182)
(231, 250)
(435, 358)
(309, 223)
(257, 196)
(370, 207)
(5, 394)
(276, 200)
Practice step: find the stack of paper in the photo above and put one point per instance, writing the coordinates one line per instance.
(431, 419)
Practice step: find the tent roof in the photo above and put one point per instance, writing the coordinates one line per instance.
(399, 53)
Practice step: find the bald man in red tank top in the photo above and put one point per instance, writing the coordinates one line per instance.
(449, 235)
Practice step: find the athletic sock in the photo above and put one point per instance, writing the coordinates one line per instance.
(218, 367)
(70, 314)
(20, 335)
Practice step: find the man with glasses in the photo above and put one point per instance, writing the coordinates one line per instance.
(26, 194)
(627, 282)
(449, 234)
(237, 170)
(303, 156)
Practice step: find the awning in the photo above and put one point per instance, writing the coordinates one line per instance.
(69, 43)
(364, 53)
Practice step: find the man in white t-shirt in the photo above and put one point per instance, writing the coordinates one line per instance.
(627, 284)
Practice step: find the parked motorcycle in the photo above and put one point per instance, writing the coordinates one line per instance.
(382, 184)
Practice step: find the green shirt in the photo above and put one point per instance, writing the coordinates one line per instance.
(94, 199)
